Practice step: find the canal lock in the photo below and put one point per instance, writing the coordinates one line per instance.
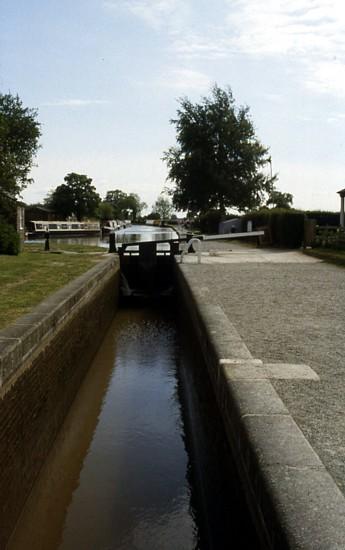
(142, 460)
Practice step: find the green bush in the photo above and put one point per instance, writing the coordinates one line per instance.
(286, 226)
(9, 239)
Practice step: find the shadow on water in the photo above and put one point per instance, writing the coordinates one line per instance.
(41, 524)
(221, 513)
(141, 461)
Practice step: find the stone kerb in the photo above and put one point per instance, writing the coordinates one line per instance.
(22, 340)
(294, 501)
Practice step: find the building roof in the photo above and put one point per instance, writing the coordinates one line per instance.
(341, 192)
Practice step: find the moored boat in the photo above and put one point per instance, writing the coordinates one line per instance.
(38, 228)
(114, 225)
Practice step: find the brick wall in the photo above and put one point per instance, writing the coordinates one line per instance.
(40, 389)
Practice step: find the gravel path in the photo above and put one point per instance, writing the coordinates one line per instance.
(292, 313)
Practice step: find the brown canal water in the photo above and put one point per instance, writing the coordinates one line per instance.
(141, 462)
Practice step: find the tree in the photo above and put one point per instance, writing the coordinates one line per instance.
(163, 206)
(117, 199)
(135, 205)
(19, 135)
(105, 211)
(75, 197)
(125, 205)
(218, 159)
(280, 200)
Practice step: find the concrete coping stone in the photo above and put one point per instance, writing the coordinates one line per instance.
(310, 506)
(236, 361)
(255, 369)
(256, 397)
(276, 439)
(222, 334)
(286, 371)
(244, 371)
(18, 340)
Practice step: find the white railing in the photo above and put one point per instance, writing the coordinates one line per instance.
(185, 248)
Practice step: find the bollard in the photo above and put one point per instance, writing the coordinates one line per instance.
(112, 242)
(46, 242)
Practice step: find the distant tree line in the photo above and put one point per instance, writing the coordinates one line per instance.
(78, 197)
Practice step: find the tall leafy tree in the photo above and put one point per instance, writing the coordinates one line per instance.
(278, 199)
(163, 206)
(77, 196)
(19, 137)
(125, 205)
(105, 211)
(135, 205)
(218, 160)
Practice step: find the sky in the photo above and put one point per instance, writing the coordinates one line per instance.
(106, 76)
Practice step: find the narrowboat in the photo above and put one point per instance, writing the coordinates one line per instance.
(37, 229)
(114, 225)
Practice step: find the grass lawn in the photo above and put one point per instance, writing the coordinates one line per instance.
(27, 279)
(327, 254)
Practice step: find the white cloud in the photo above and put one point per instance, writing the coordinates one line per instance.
(336, 118)
(310, 34)
(327, 77)
(273, 98)
(184, 80)
(297, 27)
(74, 102)
(195, 46)
(157, 14)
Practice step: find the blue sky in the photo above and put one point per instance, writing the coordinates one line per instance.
(105, 77)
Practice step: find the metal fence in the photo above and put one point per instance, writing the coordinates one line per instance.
(330, 236)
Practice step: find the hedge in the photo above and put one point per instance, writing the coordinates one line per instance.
(324, 217)
(9, 239)
(286, 226)
(209, 222)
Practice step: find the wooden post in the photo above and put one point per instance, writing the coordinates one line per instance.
(46, 242)
(342, 217)
(112, 242)
(342, 214)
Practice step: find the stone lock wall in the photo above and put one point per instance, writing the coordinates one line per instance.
(293, 500)
(43, 359)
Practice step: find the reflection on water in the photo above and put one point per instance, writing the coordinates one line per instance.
(117, 476)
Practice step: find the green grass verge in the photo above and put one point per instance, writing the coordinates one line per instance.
(27, 279)
(332, 256)
(63, 247)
